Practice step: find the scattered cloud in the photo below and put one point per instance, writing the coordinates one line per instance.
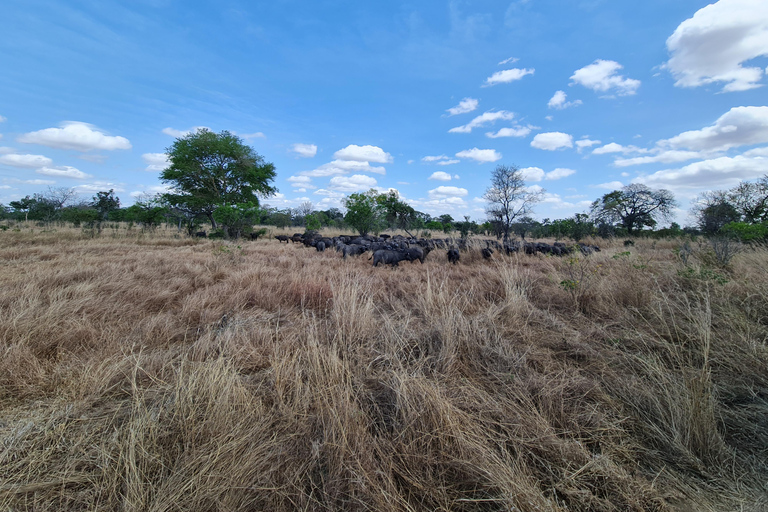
(480, 155)
(75, 135)
(440, 160)
(99, 186)
(251, 136)
(485, 118)
(354, 183)
(712, 45)
(4, 150)
(507, 75)
(558, 101)
(559, 173)
(156, 162)
(613, 147)
(445, 191)
(600, 76)
(532, 173)
(440, 176)
(363, 154)
(510, 60)
(585, 143)
(715, 173)
(665, 157)
(464, 106)
(517, 131)
(63, 171)
(25, 161)
(552, 141)
(150, 191)
(304, 150)
(36, 182)
(183, 133)
(340, 167)
(611, 185)
(740, 126)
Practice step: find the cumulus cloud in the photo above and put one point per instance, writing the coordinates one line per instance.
(585, 143)
(715, 173)
(740, 126)
(339, 167)
(713, 44)
(559, 173)
(480, 155)
(665, 157)
(77, 136)
(440, 176)
(304, 182)
(251, 136)
(485, 118)
(558, 101)
(63, 171)
(517, 131)
(156, 162)
(363, 154)
(552, 141)
(354, 183)
(532, 173)
(304, 150)
(439, 160)
(25, 161)
(757, 152)
(99, 186)
(445, 191)
(600, 76)
(5, 150)
(183, 133)
(464, 106)
(507, 75)
(617, 148)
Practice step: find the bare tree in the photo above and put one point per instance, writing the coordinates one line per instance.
(305, 208)
(508, 197)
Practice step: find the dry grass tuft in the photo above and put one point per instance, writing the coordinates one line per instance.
(147, 371)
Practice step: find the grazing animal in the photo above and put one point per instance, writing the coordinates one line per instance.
(390, 257)
(282, 238)
(352, 250)
(453, 255)
(201, 234)
(418, 253)
(254, 236)
(320, 246)
(487, 253)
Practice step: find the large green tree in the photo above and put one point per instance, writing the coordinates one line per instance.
(210, 170)
(363, 212)
(634, 207)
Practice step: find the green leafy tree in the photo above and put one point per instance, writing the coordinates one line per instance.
(634, 207)
(209, 171)
(23, 205)
(105, 203)
(238, 219)
(363, 212)
(313, 222)
(397, 213)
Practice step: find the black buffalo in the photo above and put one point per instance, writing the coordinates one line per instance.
(453, 255)
(390, 257)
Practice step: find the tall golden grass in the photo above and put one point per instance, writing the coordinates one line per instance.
(149, 371)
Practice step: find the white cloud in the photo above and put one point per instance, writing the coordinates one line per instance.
(617, 148)
(183, 133)
(713, 44)
(354, 183)
(63, 171)
(722, 172)
(508, 75)
(251, 136)
(448, 162)
(99, 186)
(480, 155)
(304, 182)
(37, 182)
(532, 173)
(5, 150)
(601, 76)
(304, 150)
(612, 185)
(77, 136)
(151, 190)
(363, 154)
(517, 131)
(666, 157)
(440, 176)
(585, 143)
(464, 106)
(740, 126)
(25, 161)
(156, 162)
(558, 101)
(482, 119)
(440, 160)
(510, 60)
(559, 173)
(552, 141)
(339, 167)
(757, 152)
(445, 191)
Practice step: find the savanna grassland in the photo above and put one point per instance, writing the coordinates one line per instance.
(149, 371)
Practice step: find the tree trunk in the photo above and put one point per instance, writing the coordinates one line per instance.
(213, 221)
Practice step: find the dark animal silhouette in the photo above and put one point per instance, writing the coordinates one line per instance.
(389, 257)
(453, 255)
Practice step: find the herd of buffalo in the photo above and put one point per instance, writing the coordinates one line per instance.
(391, 250)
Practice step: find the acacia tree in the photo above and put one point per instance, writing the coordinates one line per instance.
(105, 203)
(363, 212)
(396, 212)
(634, 206)
(209, 171)
(508, 198)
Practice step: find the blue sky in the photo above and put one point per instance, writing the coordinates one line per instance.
(425, 97)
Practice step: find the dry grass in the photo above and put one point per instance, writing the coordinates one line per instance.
(140, 371)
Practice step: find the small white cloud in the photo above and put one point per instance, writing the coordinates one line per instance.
(339, 167)
(183, 133)
(480, 155)
(712, 45)
(548, 118)
(532, 173)
(37, 182)
(99, 186)
(251, 136)
(440, 176)
(354, 183)
(448, 162)
(612, 147)
(437, 158)
(305, 182)
(551, 141)
(485, 118)
(445, 191)
(304, 150)
(508, 75)
(558, 101)
(559, 173)
(363, 154)
(510, 60)
(585, 143)
(148, 191)
(156, 162)
(464, 106)
(601, 76)
(611, 185)
(25, 161)
(63, 171)
(518, 131)
(75, 135)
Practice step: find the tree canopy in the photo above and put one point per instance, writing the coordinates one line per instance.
(210, 170)
(634, 206)
(508, 198)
